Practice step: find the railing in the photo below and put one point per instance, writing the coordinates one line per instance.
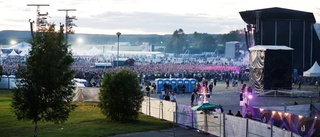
(213, 123)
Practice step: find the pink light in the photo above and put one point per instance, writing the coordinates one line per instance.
(250, 96)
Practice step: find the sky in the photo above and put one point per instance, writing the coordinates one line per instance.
(145, 16)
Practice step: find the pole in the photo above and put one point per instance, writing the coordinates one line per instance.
(38, 14)
(118, 53)
(67, 20)
(118, 34)
(66, 25)
(31, 28)
(149, 104)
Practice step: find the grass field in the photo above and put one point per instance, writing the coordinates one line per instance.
(85, 121)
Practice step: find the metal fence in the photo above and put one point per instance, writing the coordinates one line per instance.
(213, 123)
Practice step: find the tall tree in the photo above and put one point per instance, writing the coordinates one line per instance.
(178, 43)
(235, 35)
(120, 97)
(204, 42)
(45, 91)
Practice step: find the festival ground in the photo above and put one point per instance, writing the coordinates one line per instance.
(229, 99)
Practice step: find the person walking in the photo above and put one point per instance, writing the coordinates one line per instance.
(148, 91)
(192, 98)
(227, 83)
(167, 97)
(154, 88)
(215, 81)
(183, 87)
(210, 88)
(316, 84)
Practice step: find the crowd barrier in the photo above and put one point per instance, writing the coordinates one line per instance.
(217, 124)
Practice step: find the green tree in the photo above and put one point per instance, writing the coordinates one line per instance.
(235, 35)
(177, 43)
(120, 97)
(45, 91)
(204, 42)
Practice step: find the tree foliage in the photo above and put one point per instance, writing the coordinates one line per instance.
(177, 43)
(120, 97)
(235, 35)
(45, 91)
(204, 42)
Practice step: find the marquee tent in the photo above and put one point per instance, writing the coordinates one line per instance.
(78, 91)
(314, 71)
(21, 46)
(24, 53)
(13, 53)
(94, 51)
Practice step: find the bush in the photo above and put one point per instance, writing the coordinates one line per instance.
(120, 97)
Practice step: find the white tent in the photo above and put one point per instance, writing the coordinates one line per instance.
(21, 46)
(78, 91)
(314, 71)
(13, 53)
(24, 53)
(94, 51)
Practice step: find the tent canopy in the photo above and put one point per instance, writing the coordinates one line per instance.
(206, 106)
(21, 46)
(13, 53)
(314, 71)
(94, 51)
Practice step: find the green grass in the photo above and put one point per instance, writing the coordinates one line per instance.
(86, 120)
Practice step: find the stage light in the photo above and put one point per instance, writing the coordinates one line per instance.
(12, 42)
(80, 40)
(250, 96)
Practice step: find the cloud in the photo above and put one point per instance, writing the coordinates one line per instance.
(160, 22)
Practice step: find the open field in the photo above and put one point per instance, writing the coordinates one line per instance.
(86, 120)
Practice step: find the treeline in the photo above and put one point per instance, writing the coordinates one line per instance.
(177, 42)
(180, 42)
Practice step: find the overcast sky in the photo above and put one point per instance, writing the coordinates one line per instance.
(145, 16)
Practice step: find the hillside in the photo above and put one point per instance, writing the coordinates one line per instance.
(88, 39)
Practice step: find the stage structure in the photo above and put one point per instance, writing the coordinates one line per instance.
(232, 50)
(270, 67)
(279, 26)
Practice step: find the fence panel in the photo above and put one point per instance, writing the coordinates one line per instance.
(168, 110)
(278, 132)
(200, 121)
(215, 123)
(185, 115)
(156, 108)
(144, 106)
(235, 126)
(258, 129)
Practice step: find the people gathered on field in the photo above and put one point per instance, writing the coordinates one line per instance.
(148, 69)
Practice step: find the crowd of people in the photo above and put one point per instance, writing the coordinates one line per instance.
(148, 68)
